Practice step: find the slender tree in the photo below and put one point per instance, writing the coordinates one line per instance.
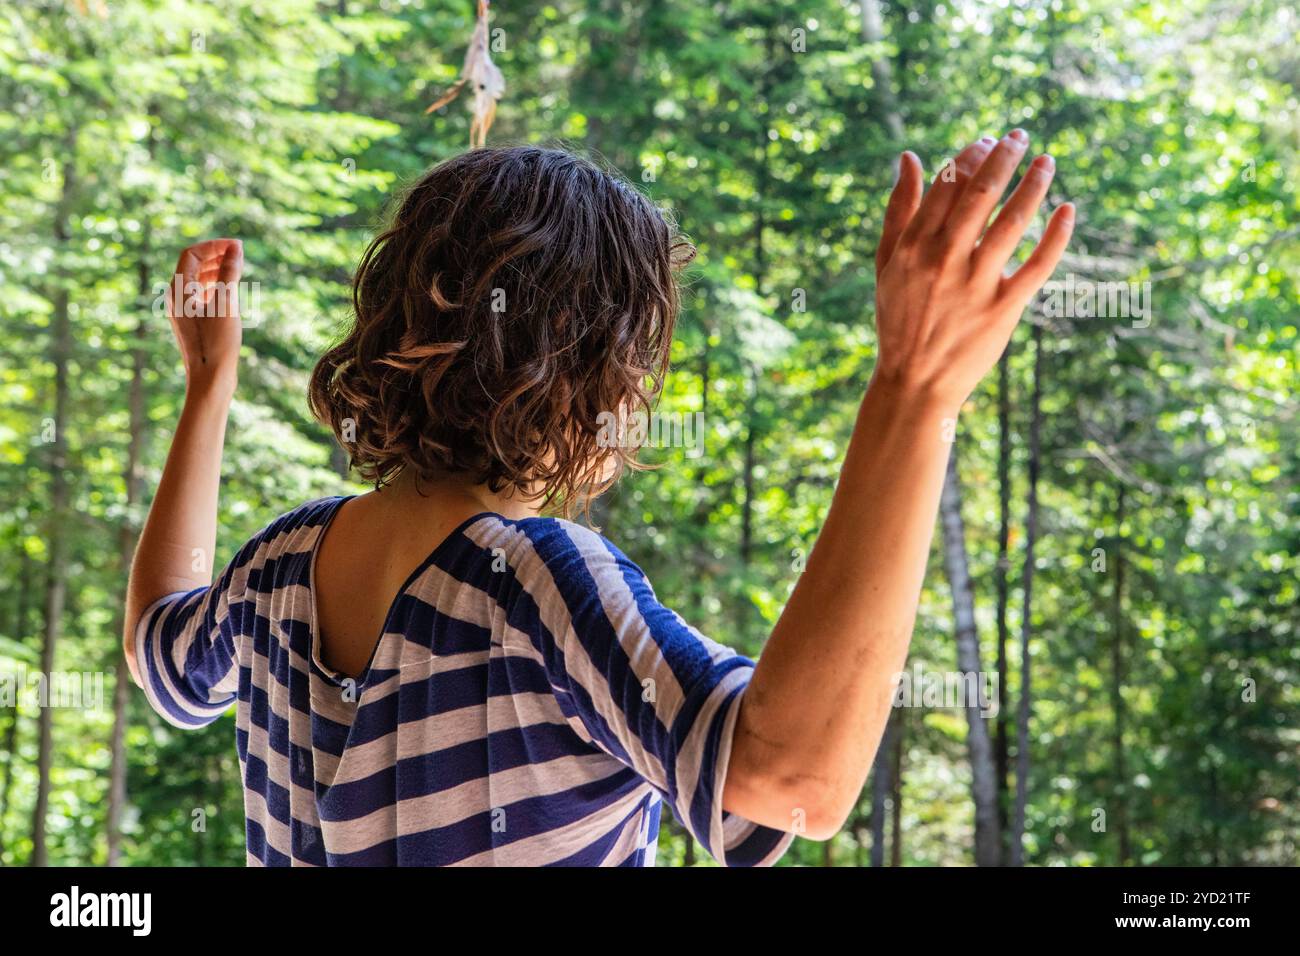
(56, 573)
(1000, 583)
(979, 743)
(881, 787)
(1118, 708)
(1024, 703)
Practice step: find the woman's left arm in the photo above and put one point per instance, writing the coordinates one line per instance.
(177, 545)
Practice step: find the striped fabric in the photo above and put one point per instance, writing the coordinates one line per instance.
(529, 703)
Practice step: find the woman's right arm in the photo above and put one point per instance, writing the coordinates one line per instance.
(813, 714)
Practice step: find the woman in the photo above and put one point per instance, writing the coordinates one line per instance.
(517, 695)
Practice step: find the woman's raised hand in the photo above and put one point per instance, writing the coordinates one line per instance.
(203, 305)
(944, 308)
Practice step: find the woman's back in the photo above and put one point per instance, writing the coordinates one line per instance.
(379, 538)
(527, 703)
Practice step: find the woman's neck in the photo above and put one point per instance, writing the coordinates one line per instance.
(450, 493)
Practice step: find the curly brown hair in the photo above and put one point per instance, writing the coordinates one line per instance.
(519, 293)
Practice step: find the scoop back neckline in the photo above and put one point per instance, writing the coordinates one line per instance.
(338, 678)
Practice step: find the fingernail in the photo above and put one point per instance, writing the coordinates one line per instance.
(1019, 134)
(1044, 163)
(1069, 211)
(988, 140)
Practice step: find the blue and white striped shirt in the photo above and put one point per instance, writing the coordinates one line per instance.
(530, 702)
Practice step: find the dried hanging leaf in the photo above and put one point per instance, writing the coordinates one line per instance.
(483, 76)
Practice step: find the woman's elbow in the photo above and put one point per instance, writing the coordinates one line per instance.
(128, 651)
(806, 805)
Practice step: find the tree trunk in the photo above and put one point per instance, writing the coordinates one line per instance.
(1027, 613)
(126, 548)
(881, 772)
(1120, 815)
(1001, 748)
(896, 840)
(984, 784)
(56, 532)
(747, 476)
(11, 732)
(56, 572)
(873, 32)
(892, 118)
(11, 739)
(763, 177)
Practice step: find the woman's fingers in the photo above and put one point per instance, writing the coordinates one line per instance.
(204, 264)
(229, 269)
(231, 264)
(1004, 235)
(903, 203)
(948, 185)
(972, 210)
(1021, 285)
(202, 254)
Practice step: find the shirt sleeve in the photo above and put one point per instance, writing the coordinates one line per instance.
(648, 689)
(185, 653)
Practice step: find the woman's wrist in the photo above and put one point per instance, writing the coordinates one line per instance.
(212, 387)
(908, 397)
